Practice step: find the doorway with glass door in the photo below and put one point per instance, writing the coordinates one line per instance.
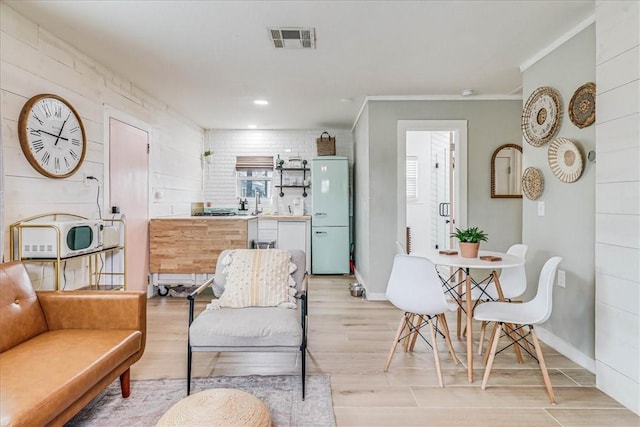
(429, 175)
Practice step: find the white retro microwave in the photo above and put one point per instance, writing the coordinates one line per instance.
(77, 237)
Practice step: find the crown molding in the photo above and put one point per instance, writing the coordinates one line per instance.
(558, 42)
(496, 97)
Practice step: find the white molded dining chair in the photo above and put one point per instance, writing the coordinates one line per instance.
(513, 282)
(526, 314)
(415, 288)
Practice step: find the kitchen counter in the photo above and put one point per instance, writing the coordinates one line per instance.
(286, 217)
(245, 217)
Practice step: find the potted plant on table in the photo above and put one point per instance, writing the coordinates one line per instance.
(469, 241)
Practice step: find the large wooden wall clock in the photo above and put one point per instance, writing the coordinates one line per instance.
(52, 136)
(541, 116)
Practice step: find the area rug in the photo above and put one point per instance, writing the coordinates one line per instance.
(150, 399)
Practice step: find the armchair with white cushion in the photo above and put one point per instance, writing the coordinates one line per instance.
(242, 322)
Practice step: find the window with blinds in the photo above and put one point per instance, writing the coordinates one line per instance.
(412, 178)
(254, 176)
(254, 163)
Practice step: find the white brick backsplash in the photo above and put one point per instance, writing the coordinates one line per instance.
(220, 176)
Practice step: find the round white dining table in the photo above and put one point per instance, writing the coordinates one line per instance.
(465, 264)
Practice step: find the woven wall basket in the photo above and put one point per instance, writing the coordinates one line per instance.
(326, 145)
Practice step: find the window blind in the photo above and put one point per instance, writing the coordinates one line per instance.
(412, 177)
(254, 163)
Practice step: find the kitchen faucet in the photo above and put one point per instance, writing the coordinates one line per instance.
(257, 210)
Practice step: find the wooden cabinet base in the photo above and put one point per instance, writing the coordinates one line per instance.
(192, 245)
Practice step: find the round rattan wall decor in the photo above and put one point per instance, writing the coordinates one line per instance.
(582, 107)
(565, 160)
(532, 183)
(541, 116)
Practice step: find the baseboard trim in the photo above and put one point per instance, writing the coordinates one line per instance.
(370, 296)
(566, 349)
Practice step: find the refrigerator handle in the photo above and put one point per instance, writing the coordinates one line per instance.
(321, 232)
(320, 214)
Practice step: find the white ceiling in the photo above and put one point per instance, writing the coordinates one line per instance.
(210, 59)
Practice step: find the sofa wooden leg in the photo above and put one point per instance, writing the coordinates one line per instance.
(125, 383)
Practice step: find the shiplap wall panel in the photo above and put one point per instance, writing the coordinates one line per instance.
(619, 102)
(618, 166)
(618, 134)
(617, 28)
(619, 346)
(619, 70)
(616, 252)
(622, 230)
(34, 61)
(618, 198)
(610, 289)
(618, 261)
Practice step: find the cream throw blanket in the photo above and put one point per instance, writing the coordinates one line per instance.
(257, 278)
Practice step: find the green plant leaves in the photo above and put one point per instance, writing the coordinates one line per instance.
(470, 235)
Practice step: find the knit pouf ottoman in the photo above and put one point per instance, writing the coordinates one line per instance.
(218, 407)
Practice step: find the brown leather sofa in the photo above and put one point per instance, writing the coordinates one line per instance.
(58, 350)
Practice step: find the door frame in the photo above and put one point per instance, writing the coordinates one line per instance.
(459, 127)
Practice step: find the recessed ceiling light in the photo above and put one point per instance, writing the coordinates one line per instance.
(261, 102)
(466, 92)
(252, 126)
(346, 100)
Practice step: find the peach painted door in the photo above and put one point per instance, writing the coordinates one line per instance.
(129, 190)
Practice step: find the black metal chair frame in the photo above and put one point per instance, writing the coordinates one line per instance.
(301, 295)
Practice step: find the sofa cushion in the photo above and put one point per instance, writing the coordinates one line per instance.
(246, 327)
(21, 315)
(62, 366)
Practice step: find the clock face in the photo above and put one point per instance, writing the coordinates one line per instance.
(52, 136)
(541, 116)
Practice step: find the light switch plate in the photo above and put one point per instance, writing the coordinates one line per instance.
(561, 278)
(540, 208)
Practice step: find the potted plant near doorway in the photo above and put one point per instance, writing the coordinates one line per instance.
(469, 241)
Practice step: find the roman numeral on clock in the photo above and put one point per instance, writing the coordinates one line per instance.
(46, 157)
(37, 145)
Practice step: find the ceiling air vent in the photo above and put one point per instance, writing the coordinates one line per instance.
(293, 38)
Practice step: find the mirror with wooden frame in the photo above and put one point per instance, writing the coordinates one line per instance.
(506, 172)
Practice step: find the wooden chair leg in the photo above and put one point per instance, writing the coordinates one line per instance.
(408, 333)
(543, 366)
(483, 330)
(434, 346)
(459, 326)
(447, 337)
(492, 356)
(414, 338)
(490, 343)
(395, 342)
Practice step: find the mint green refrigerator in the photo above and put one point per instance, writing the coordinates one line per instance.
(330, 215)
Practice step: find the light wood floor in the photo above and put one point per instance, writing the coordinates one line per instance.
(349, 340)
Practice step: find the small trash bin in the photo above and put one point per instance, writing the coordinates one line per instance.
(264, 244)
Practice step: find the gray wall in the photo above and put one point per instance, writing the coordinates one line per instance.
(490, 124)
(361, 195)
(567, 229)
